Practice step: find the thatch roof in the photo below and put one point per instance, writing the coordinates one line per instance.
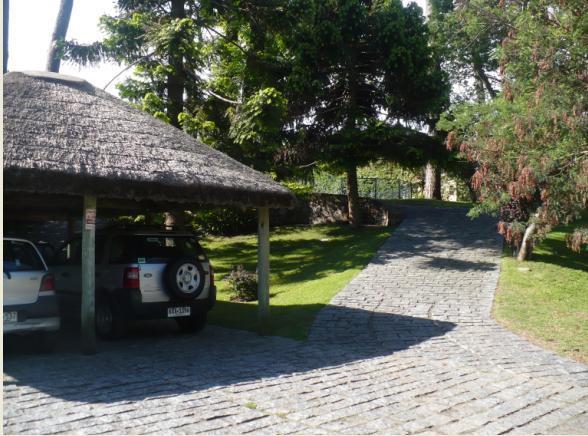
(64, 136)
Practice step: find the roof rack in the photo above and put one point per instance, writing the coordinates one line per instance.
(145, 228)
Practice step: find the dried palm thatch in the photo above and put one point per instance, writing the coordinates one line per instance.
(64, 136)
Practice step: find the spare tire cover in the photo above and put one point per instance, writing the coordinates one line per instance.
(185, 278)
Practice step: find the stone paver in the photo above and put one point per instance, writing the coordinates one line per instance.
(408, 346)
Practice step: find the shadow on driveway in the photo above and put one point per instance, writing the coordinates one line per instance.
(157, 360)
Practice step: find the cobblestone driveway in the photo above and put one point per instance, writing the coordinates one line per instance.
(408, 346)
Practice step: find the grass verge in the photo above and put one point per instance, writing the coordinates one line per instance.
(309, 265)
(546, 298)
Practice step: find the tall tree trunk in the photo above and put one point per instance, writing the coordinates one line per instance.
(61, 25)
(481, 81)
(176, 82)
(483, 77)
(526, 245)
(473, 194)
(5, 19)
(437, 191)
(177, 78)
(354, 208)
(432, 182)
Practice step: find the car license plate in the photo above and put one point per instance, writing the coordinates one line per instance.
(10, 316)
(173, 312)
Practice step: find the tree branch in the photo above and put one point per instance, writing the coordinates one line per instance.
(209, 91)
(230, 41)
(220, 97)
(128, 68)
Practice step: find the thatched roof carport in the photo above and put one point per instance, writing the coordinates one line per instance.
(64, 140)
(64, 136)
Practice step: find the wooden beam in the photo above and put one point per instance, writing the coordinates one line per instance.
(263, 268)
(88, 274)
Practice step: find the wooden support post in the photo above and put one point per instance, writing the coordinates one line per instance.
(263, 268)
(88, 274)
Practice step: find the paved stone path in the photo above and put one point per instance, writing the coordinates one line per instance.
(407, 347)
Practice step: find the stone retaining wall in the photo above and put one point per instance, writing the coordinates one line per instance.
(330, 209)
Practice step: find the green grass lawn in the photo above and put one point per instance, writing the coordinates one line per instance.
(309, 265)
(548, 303)
(425, 202)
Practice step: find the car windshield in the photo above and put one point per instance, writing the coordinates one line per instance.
(21, 256)
(151, 249)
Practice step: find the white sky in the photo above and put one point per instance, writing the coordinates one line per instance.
(31, 25)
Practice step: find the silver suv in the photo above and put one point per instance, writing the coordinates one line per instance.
(141, 273)
(29, 301)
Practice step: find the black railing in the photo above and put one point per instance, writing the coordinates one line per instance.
(379, 188)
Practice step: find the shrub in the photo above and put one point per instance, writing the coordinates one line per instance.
(243, 284)
(225, 221)
(301, 190)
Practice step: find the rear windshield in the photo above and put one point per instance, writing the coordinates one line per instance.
(151, 249)
(21, 256)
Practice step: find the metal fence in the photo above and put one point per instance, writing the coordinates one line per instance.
(378, 188)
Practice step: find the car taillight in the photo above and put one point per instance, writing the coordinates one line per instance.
(211, 275)
(131, 278)
(47, 284)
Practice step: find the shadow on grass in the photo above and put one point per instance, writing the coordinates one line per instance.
(303, 259)
(554, 251)
(291, 321)
(156, 360)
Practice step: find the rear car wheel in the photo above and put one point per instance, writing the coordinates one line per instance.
(185, 278)
(109, 320)
(192, 324)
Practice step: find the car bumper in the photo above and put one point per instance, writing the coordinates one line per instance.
(134, 308)
(33, 325)
(43, 315)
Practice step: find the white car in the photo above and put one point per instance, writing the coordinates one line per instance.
(30, 303)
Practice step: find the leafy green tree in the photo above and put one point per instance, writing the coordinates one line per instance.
(360, 70)
(466, 35)
(193, 67)
(529, 143)
(162, 40)
(248, 65)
